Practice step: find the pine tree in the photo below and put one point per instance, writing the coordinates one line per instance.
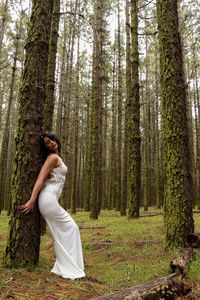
(24, 237)
(133, 107)
(178, 198)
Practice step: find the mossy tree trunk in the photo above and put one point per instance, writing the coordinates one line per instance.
(68, 103)
(50, 86)
(24, 237)
(147, 153)
(192, 139)
(112, 159)
(105, 151)
(3, 24)
(96, 113)
(4, 162)
(178, 198)
(119, 110)
(133, 106)
(147, 127)
(2, 31)
(74, 193)
(128, 94)
(188, 104)
(88, 159)
(197, 123)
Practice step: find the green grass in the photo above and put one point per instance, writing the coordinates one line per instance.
(195, 267)
(118, 253)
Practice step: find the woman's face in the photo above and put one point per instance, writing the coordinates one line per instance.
(50, 145)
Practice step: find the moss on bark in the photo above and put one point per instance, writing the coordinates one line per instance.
(24, 237)
(134, 123)
(178, 181)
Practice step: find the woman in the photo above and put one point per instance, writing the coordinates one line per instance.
(49, 185)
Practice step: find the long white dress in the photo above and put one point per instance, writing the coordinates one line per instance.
(65, 232)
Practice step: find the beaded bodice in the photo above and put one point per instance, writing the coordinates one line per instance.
(57, 175)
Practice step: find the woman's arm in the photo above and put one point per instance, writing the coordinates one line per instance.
(50, 163)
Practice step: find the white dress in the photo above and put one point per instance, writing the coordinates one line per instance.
(65, 232)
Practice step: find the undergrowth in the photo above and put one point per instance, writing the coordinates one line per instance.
(118, 253)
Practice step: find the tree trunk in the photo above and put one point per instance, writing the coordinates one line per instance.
(119, 113)
(88, 158)
(76, 134)
(4, 170)
(158, 170)
(128, 94)
(68, 102)
(50, 98)
(134, 122)
(113, 163)
(2, 30)
(59, 112)
(96, 113)
(24, 238)
(178, 180)
(158, 289)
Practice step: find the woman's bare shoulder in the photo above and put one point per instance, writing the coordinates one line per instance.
(52, 158)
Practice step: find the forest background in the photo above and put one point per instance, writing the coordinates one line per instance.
(91, 106)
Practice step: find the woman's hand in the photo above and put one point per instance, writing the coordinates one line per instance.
(28, 207)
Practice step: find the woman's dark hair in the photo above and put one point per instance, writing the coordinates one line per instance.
(43, 149)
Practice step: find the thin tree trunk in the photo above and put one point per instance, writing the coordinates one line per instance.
(76, 133)
(96, 114)
(119, 114)
(128, 94)
(134, 180)
(88, 159)
(113, 163)
(4, 170)
(61, 84)
(2, 30)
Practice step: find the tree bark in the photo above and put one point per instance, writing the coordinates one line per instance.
(134, 180)
(119, 111)
(180, 264)
(50, 87)
(178, 196)
(169, 287)
(113, 163)
(24, 237)
(2, 30)
(4, 170)
(128, 94)
(76, 130)
(96, 113)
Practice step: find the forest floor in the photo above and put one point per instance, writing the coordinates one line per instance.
(118, 253)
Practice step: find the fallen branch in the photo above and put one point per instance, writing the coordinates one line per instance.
(151, 214)
(168, 287)
(92, 228)
(9, 280)
(180, 264)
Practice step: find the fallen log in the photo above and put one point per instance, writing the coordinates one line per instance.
(196, 211)
(181, 263)
(169, 287)
(151, 214)
(194, 240)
